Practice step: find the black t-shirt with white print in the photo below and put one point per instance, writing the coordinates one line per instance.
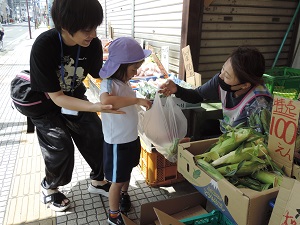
(45, 63)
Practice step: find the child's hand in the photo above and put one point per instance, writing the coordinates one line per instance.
(144, 102)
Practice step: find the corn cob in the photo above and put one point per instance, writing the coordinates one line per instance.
(230, 144)
(252, 120)
(274, 167)
(208, 156)
(255, 138)
(253, 184)
(259, 126)
(240, 155)
(243, 168)
(265, 117)
(268, 177)
(209, 169)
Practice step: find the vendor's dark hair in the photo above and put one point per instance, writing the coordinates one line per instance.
(248, 64)
(75, 15)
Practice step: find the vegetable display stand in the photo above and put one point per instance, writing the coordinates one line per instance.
(204, 121)
(157, 170)
(283, 81)
(213, 218)
(86, 81)
(94, 86)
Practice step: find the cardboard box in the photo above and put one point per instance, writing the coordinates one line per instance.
(286, 209)
(194, 211)
(163, 219)
(182, 206)
(242, 206)
(296, 172)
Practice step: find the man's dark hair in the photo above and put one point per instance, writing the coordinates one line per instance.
(248, 64)
(75, 15)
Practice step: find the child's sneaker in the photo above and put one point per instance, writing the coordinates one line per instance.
(115, 221)
(125, 203)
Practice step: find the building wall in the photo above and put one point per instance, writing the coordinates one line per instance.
(223, 25)
(3, 10)
(296, 56)
(155, 22)
(263, 24)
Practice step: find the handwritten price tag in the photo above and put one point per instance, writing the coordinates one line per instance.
(283, 131)
(160, 66)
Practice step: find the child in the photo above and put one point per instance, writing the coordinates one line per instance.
(121, 142)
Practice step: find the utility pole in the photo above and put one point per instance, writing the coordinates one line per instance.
(34, 14)
(20, 11)
(47, 13)
(28, 19)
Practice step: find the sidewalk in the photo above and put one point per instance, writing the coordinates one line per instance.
(22, 167)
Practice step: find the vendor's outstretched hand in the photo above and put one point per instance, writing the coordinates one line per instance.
(168, 88)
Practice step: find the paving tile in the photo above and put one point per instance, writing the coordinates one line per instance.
(22, 208)
(61, 219)
(15, 186)
(18, 169)
(97, 223)
(72, 216)
(11, 208)
(79, 209)
(33, 212)
(81, 214)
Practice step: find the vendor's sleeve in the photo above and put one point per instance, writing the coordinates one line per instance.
(207, 91)
(188, 95)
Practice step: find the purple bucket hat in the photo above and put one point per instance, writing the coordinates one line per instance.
(122, 50)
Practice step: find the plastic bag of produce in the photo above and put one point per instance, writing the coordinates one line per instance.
(165, 125)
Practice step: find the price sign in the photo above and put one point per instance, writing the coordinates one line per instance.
(164, 58)
(283, 131)
(192, 77)
(188, 63)
(160, 66)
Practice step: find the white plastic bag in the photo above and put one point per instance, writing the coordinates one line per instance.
(165, 125)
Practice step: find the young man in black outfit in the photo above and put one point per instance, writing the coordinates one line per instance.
(60, 60)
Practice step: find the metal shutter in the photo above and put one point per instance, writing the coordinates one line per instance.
(227, 24)
(156, 22)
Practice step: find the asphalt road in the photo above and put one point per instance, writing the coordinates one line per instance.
(14, 33)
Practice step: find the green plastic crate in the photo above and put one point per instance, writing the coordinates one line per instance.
(283, 81)
(215, 217)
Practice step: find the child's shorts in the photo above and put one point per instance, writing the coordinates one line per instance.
(120, 159)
